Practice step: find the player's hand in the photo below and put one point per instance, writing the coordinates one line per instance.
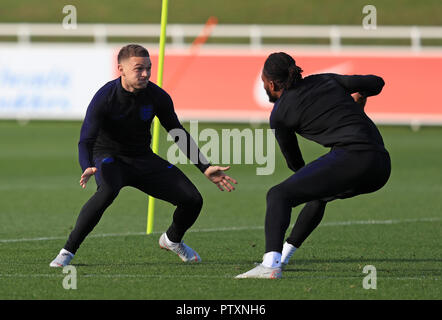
(359, 99)
(217, 176)
(89, 172)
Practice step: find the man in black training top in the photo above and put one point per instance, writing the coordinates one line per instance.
(319, 108)
(115, 147)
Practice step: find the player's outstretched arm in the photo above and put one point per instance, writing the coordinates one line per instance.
(89, 172)
(217, 176)
(367, 85)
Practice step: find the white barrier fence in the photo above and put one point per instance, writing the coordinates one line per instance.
(255, 33)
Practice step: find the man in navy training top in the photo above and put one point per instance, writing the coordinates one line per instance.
(320, 108)
(114, 147)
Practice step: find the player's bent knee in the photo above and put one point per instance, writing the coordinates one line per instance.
(196, 199)
(193, 199)
(275, 193)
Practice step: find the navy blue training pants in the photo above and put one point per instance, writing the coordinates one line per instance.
(150, 174)
(339, 174)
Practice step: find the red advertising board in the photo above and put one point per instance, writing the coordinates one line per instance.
(225, 85)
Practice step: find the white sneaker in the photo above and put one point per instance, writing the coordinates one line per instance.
(287, 252)
(186, 253)
(262, 272)
(62, 259)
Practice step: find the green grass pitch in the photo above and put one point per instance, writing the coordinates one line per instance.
(397, 229)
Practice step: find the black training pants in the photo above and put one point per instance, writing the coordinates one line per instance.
(339, 174)
(150, 174)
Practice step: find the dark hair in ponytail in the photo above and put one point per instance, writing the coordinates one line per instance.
(282, 70)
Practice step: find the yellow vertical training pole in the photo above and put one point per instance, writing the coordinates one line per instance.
(156, 122)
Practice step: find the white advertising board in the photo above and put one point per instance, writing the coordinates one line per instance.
(51, 82)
